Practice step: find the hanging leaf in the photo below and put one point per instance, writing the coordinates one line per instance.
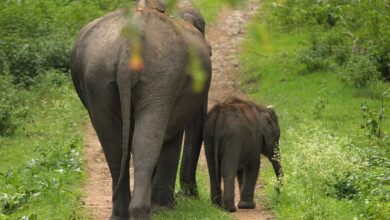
(196, 71)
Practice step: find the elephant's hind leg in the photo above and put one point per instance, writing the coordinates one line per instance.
(229, 172)
(251, 172)
(163, 185)
(149, 131)
(105, 116)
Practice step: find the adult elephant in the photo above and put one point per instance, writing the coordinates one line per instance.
(144, 111)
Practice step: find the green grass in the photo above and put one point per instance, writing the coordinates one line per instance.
(201, 208)
(322, 142)
(209, 9)
(40, 166)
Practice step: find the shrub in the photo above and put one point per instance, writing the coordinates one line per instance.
(27, 58)
(10, 105)
(381, 54)
(342, 29)
(326, 50)
(368, 184)
(316, 56)
(360, 71)
(37, 35)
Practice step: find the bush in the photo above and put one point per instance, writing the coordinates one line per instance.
(292, 14)
(326, 50)
(381, 54)
(10, 105)
(342, 30)
(37, 35)
(369, 184)
(360, 71)
(27, 58)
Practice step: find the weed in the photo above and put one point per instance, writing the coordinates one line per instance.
(325, 50)
(373, 119)
(360, 71)
(320, 105)
(12, 110)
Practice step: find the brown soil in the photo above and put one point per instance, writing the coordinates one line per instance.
(225, 36)
(98, 186)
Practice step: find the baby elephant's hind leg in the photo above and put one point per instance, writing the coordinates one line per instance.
(251, 172)
(229, 171)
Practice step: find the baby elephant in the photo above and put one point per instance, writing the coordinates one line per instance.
(236, 133)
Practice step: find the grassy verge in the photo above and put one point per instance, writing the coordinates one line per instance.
(332, 170)
(41, 166)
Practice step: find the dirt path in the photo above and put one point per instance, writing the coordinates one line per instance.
(98, 186)
(225, 36)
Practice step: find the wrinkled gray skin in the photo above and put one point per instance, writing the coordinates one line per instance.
(145, 112)
(236, 133)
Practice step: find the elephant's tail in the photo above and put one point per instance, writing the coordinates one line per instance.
(124, 87)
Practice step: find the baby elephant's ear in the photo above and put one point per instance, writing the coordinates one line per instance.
(194, 19)
(154, 4)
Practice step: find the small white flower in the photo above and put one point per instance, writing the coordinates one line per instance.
(60, 170)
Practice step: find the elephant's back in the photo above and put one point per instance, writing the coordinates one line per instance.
(109, 23)
(99, 42)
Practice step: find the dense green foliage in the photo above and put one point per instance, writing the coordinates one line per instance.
(37, 35)
(322, 78)
(11, 105)
(345, 36)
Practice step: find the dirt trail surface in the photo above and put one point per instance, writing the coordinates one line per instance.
(224, 36)
(98, 186)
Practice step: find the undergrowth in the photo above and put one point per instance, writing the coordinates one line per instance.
(41, 166)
